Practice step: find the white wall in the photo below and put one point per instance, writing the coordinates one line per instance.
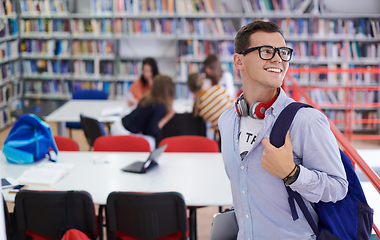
(164, 51)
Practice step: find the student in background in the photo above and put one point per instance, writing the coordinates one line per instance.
(216, 75)
(210, 102)
(144, 83)
(309, 162)
(153, 111)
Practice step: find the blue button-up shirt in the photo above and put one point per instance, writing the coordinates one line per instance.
(260, 198)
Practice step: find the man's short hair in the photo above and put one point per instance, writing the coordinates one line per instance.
(242, 36)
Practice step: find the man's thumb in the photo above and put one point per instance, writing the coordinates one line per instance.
(265, 142)
(287, 139)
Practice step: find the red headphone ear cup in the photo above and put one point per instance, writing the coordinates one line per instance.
(260, 110)
(257, 110)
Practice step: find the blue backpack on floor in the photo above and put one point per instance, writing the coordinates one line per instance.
(29, 141)
(348, 219)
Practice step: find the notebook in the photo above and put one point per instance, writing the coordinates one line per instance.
(45, 173)
(142, 167)
(224, 226)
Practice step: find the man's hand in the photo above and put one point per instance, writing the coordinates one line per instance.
(278, 161)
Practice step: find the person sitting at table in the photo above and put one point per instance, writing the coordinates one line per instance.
(210, 101)
(144, 83)
(153, 111)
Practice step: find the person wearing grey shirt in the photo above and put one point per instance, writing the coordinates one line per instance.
(309, 161)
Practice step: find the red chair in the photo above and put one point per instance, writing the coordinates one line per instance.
(66, 144)
(189, 143)
(121, 143)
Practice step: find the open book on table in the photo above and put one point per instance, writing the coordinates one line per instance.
(45, 174)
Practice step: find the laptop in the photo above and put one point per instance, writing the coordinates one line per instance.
(224, 226)
(142, 167)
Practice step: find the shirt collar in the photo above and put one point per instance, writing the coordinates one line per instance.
(279, 104)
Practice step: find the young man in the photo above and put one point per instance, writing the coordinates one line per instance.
(216, 75)
(309, 162)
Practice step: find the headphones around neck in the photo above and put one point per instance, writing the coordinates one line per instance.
(257, 109)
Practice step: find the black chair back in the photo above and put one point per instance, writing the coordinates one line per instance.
(92, 129)
(182, 124)
(146, 215)
(51, 214)
(10, 224)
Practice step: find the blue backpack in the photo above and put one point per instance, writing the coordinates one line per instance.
(29, 141)
(349, 218)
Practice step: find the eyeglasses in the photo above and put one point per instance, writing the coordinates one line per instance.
(268, 52)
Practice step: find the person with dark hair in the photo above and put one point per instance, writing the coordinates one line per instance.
(216, 75)
(309, 162)
(153, 111)
(144, 83)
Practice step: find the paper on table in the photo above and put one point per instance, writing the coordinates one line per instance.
(113, 111)
(67, 166)
(45, 174)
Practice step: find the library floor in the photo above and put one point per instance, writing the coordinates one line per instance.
(204, 215)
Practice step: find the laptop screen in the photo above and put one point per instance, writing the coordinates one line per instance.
(154, 155)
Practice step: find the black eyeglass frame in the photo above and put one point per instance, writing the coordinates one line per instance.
(246, 51)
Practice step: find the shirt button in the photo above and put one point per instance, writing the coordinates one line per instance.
(247, 216)
(242, 167)
(274, 114)
(243, 192)
(237, 141)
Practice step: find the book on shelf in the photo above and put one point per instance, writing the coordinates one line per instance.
(101, 6)
(7, 7)
(10, 28)
(45, 174)
(5, 116)
(46, 7)
(302, 6)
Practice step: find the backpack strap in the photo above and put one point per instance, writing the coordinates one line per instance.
(283, 122)
(277, 139)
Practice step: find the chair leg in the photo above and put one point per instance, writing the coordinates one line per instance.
(100, 221)
(193, 223)
(220, 209)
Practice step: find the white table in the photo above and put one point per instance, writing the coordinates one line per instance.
(199, 177)
(70, 111)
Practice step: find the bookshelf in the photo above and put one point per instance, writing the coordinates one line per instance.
(10, 84)
(352, 105)
(67, 45)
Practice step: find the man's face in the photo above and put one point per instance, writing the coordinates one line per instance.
(268, 74)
